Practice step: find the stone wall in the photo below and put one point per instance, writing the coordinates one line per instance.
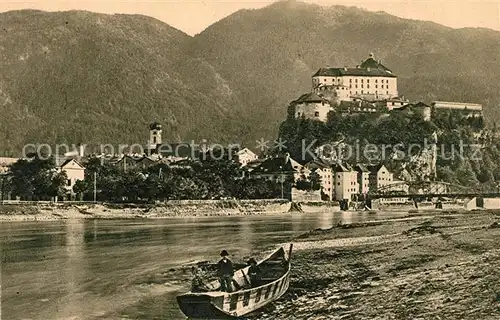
(305, 196)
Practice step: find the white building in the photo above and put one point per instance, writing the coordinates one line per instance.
(363, 178)
(312, 106)
(346, 182)
(245, 156)
(395, 103)
(370, 80)
(74, 171)
(380, 177)
(325, 173)
(5, 163)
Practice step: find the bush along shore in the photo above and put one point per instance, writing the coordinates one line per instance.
(182, 208)
(435, 266)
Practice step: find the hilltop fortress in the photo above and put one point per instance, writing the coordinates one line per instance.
(370, 87)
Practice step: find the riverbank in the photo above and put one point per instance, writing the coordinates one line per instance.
(439, 266)
(58, 211)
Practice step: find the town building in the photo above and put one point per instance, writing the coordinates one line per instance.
(128, 162)
(346, 182)
(74, 170)
(245, 156)
(379, 177)
(278, 168)
(420, 108)
(324, 170)
(395, 103)
(5, 163)
(370, 80)
(146, 162)
(312, 106)
(363, 178)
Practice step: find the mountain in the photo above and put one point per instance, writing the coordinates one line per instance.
(71, 77)
(269, 55)
(85, 77)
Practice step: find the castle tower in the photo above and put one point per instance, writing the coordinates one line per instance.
(154, 135)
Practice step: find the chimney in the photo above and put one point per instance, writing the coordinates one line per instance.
(345, 68)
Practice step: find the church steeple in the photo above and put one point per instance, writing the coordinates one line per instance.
(154, 134)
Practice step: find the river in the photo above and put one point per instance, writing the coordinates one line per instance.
(115, 269)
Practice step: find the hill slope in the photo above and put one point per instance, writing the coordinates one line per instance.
(71, 77)
(269, 54)
(79, 76)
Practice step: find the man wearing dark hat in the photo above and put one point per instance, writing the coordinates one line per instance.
(254, 272)
(225, 272)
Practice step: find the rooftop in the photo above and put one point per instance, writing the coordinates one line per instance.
(368, 68)
(310, 97)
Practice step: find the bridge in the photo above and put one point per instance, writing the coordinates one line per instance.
(430, 189)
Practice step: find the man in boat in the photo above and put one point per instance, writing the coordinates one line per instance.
(254, 273)
(225, 272)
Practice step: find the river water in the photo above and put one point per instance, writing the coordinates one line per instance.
(116, 269)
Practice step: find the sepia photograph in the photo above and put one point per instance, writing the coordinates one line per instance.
(250, 159)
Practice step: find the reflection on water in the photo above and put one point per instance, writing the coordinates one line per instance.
(112, 269)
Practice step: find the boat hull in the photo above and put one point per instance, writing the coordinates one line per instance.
(201, 307)
(223, 305)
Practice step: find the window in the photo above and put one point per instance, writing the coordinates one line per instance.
(361, 80)
(361, 91)
(356, 80)
(350, 86)
(154, 139)
(361, 86)
(350, 80)
(376, 81)
(356, 86)
(368, 86)
(387, 92)
(376, 86)
(316, 114)
(393, 103)
(69, 182)
(368, 80)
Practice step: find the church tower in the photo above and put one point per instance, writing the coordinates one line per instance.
(154, 135)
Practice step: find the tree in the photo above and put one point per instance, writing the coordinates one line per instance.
(37, 177)
(80, 188)
(315, 180)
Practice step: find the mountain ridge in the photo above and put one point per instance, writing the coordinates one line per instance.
(102, 78)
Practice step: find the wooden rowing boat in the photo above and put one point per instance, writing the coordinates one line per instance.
(215, 304)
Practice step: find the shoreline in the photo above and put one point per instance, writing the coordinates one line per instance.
(15, 211)
(174, 209)
(436, 266)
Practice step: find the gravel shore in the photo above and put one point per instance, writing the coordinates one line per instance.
(441, 266)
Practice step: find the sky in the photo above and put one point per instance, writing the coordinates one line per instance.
(193, 16)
